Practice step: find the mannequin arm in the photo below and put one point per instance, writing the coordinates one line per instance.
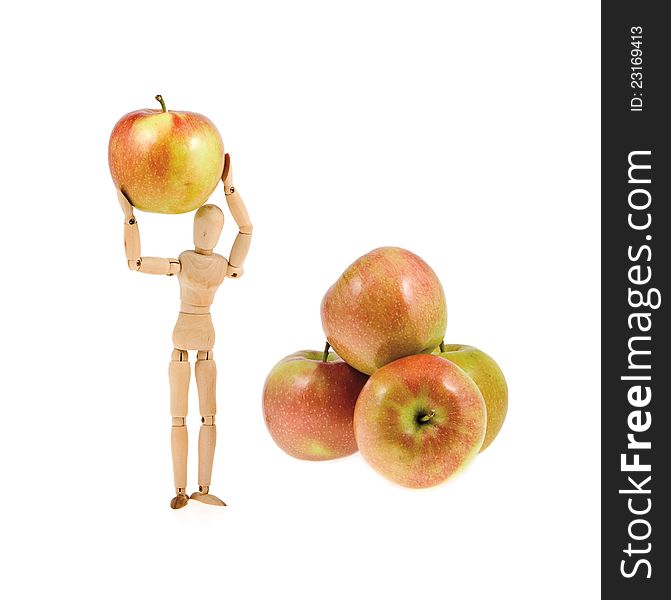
(237, 207)
(131, 239)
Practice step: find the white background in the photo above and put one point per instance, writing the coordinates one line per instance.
(467, 132)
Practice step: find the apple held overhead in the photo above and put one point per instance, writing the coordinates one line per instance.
(166, 161)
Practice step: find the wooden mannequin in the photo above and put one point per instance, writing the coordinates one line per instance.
(199, 272)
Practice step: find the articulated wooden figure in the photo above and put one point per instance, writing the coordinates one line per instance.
(199, 272)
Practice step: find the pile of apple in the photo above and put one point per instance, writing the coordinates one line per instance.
(417, 409)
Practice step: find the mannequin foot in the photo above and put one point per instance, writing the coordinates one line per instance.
(203, 495)
(180, 500)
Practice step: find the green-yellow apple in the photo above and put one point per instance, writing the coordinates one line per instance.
(419, 420)
(308, 405)
(386, 305)
(489, 378)
(166, 161)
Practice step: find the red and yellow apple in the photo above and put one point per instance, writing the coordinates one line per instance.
(308, 405)
(487, 375)
(166, 161)
(419, 420)
(387, 304)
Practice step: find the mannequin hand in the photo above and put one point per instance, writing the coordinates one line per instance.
(234, 272)
(126, 206)
(227, 176)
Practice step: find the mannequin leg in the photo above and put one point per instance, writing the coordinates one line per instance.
(206, 379)
(179, 375)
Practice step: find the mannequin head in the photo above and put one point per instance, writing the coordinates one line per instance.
(207, 226)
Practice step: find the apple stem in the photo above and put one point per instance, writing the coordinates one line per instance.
(160, 99)
(325, 356)
(428, 416)
(442, 346)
